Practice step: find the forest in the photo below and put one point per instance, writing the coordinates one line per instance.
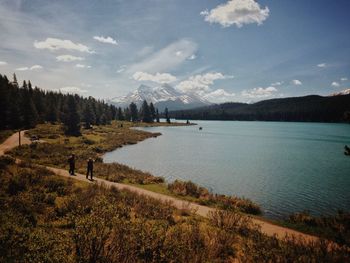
(311, 108)
(25, 107)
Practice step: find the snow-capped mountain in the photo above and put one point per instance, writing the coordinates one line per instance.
(162, 96)
(343, 92)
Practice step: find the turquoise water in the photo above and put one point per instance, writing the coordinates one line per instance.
(284, 167)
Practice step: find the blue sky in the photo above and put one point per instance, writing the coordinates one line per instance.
(238, 50)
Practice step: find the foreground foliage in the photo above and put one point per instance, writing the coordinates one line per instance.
(45, 218)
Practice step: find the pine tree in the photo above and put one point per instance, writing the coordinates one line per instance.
(133, 112)
(157, 115)
(15, 83)
(127, 114)
(71, 119)
(152, 110)
(28, 110)
(167, 115)
(146, 113)
(120, 115)
(88, 116)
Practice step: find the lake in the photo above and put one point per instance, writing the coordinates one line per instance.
(285, 167)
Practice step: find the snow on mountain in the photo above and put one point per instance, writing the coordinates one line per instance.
(162, 96)
(343, 92)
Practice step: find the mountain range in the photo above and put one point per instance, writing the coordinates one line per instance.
(162, 97)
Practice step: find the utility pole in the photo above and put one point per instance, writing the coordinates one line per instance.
(19, 137)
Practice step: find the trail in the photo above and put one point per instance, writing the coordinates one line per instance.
(265, 227)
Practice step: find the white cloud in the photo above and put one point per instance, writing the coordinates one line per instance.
(166, 58)
(158, 77)
(72, 89)
(277, 83)
(259, 92)
(192, 57)
(82, 66)
(200, 83)
(34, 67)
(344, 79)
(237, 12)
(296, 82)
(68, 58)
(335, 84)
(57, 44)
(322, 65)
(219, 96)
(2, 63)
(107, 40)
(121, 69)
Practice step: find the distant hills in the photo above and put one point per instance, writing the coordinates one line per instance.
(162, 96)
(311, 108)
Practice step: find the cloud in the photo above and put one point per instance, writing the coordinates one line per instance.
(107, 40)
(34, 67)
(82, 66)
(121, 69)
(344, 79)
(2, 63)
(167, 58)
(296, 82)
(237, 12)
(72, 89)
(219, 96)
(200, 84)
(68, 58)
(158, 77)
(322, 65)
(259, 92)
(192, 57)
(53, 44)
(335, 84)
(277, 83)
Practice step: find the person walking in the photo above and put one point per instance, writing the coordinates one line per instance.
(71, 161)
(90, 168)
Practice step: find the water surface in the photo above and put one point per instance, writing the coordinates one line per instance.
(284, 167)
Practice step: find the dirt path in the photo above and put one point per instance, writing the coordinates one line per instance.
(267, 228)
(12, 142)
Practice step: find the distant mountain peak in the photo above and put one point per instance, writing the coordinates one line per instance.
(162, 96)
(343, 92)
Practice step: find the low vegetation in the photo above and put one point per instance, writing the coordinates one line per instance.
(204, 197)
(45, 218)
(336, 228)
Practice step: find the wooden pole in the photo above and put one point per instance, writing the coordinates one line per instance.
(19, 137)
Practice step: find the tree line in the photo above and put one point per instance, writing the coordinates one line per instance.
(305, 109)
(23, 107)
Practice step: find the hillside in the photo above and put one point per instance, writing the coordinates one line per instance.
(311, 108)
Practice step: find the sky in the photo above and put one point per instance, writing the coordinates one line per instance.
(237, 50)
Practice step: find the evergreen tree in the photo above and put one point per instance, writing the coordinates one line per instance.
(15, 83)
(133, 112)
(152, 110)
(89, 117)
(167, 115)
(127, 114)
(157, 115)
(120, 115)
(28, 110)
(71, 119)
(146, 113)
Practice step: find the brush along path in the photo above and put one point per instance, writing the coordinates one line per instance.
(265, 227)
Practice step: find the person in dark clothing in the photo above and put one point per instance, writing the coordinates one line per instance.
(90, 168)
(71, 161)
